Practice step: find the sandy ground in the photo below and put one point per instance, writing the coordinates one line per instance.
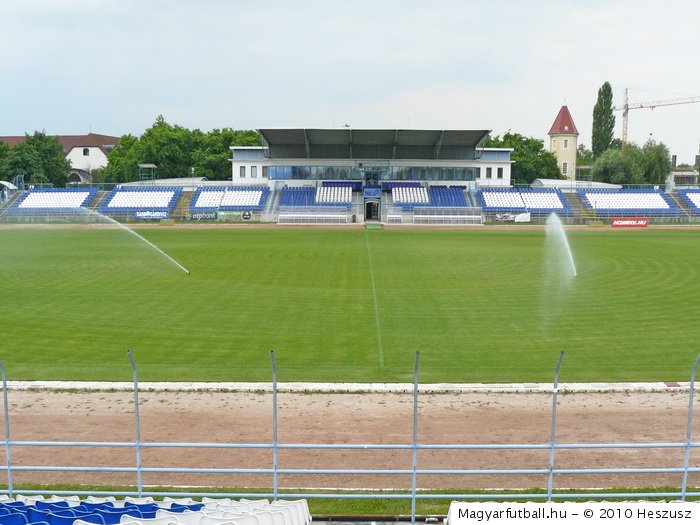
(464, 418)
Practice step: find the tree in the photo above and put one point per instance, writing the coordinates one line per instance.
(603, 121)
(52, 158)
(176, 150)
(40, 159)
(584, 156)
(657, 162)
(123, 161)
(4, 154)
(169, 147)
(611, 168)
(649, 165)
(23, 159)
(212, 158)
(530, 160)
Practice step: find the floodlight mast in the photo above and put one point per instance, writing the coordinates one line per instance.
(626, 106)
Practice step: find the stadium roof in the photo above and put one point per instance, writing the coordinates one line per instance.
(349, 143)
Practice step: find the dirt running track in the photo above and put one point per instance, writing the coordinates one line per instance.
(234, 417)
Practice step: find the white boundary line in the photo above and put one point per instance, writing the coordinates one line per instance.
(350, 388)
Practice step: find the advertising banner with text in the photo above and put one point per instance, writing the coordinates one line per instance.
(630, 222)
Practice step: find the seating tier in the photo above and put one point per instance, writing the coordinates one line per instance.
(335, 196)
(691, 199)
(246, 198)
(514, 200)
(160, 201)
(410, 196)
(447, 197)
(54, 199)
(626, 202)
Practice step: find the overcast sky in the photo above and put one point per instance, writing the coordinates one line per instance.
(75, 66)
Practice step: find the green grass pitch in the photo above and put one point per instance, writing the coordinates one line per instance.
(482, 305)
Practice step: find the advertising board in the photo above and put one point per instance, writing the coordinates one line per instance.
(630, 222)
(151, 215)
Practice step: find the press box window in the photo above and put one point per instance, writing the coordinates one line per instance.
(243, 172)
(253, 172)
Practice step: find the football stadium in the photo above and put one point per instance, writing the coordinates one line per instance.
(358, 317)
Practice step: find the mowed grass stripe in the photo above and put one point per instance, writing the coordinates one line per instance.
(375, 302)
(479, 304)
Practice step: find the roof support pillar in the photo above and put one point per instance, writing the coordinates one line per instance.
(396, 144)
(438, 144)
(306, 144)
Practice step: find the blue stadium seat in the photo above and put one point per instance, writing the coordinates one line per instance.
(299, 197)
(444, 196)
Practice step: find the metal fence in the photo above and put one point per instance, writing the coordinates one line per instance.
(274, 469)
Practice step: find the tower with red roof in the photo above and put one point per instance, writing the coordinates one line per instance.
(563, 142)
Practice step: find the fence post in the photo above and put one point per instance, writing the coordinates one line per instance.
(553, 434)
(8, 447)
(415, 438)
(275, 450)
(139, 473)
(689, 432)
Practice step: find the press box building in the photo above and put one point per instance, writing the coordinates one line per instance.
(299, 156)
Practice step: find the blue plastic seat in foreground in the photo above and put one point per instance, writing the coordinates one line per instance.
(88, 505)
(176, 507)
(15, 518)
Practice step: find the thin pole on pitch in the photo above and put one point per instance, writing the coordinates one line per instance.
(139, 464)
(689, 432)
(275, 450)
(8, 448)
(553, 434)
(415, 438)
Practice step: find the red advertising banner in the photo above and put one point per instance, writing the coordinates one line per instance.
(630, 222)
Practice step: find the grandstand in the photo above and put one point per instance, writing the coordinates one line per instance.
(297, 197)
(533, 200)
(447, 196)
(53, 200)
(409, 194)
(141, 202)
(337, 195)
(329, 203)
(389, 176)
(626, 202)
(238, 198)
(343, 202)
(691, 199)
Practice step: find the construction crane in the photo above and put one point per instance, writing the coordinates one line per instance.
(626, 106)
